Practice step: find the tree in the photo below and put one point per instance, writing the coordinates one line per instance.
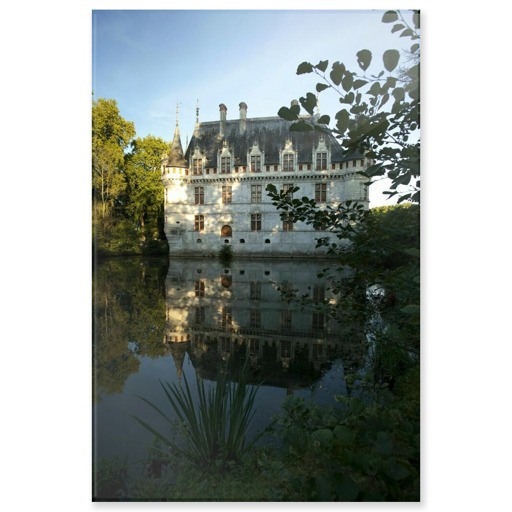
(111, 135)
(144, 188)
(380, 114)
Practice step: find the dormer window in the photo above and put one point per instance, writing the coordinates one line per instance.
(225, 164)
(224, 160)
(197, 162)
(288, 162)
(288, 157)
(321, 156)
(321, 161)
(197, 166)
(255, 158)
(255, 163)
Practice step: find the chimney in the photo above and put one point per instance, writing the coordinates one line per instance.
(243, 116)
(294, 102)
(223, 110)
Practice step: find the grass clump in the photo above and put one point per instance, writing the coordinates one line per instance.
(215, 425)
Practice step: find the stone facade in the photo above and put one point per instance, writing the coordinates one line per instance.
(215, 192)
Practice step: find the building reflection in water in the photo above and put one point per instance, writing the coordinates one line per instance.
(246, 310)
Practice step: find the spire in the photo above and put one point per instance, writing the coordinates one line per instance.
(196, 129)
(176, 156)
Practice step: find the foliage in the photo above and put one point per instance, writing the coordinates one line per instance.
(128, 306)
(366, 449)
(127, 192)
(225, 254)
(110, 480)
(144, 189)
(216, 428)
(380, 113)
(111, 135)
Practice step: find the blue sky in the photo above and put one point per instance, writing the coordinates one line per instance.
(150, 60)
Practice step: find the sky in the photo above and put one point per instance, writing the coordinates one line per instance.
(152, 61)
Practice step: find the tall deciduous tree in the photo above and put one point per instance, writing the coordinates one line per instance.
(111, 135)
(144, 189)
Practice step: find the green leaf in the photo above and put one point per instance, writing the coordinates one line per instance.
(390, 17)
(374, 89)
(391, 58)
(416, 19)
(359, 83)
(343, 118)
(411, 309)
(414, 48)
(324, 436)
(414, 72)
(301, 126)
(322, 65)
(384, 443)
(397, 27)
(407, 32)
(337, 71)
(309, 102)
(287, 114)
(399, 93)
(347, 81)
(325, 119)
(364, 58)
(321, 87)
(349, 98)
(304, 67)
(344, 434)
(346, 489)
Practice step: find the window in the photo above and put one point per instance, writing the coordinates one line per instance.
(226, 317)
(226, 194)
(199, 288)
(198, 195)
(255, 291)
(287, 188)
(225, 164)
(254, 345)
(200, 314)
(287, 225)
(321, 192)
(255, 163)
(318, 293)
(255, 193)
(255, 318)
(286, 319)
(256, 222)
(197, 166)
(199, 223)
(318, 321)
(321, 161)
(286, 348)
(288, 162)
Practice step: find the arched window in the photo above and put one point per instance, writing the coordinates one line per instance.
(226, 231)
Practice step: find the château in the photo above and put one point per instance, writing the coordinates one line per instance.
(215, 191)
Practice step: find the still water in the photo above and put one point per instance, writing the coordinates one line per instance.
(157, 321)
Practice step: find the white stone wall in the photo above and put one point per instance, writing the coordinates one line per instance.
(180, 211)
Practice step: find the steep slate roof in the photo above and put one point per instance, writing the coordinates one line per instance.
(176, 157)
(271, 133)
